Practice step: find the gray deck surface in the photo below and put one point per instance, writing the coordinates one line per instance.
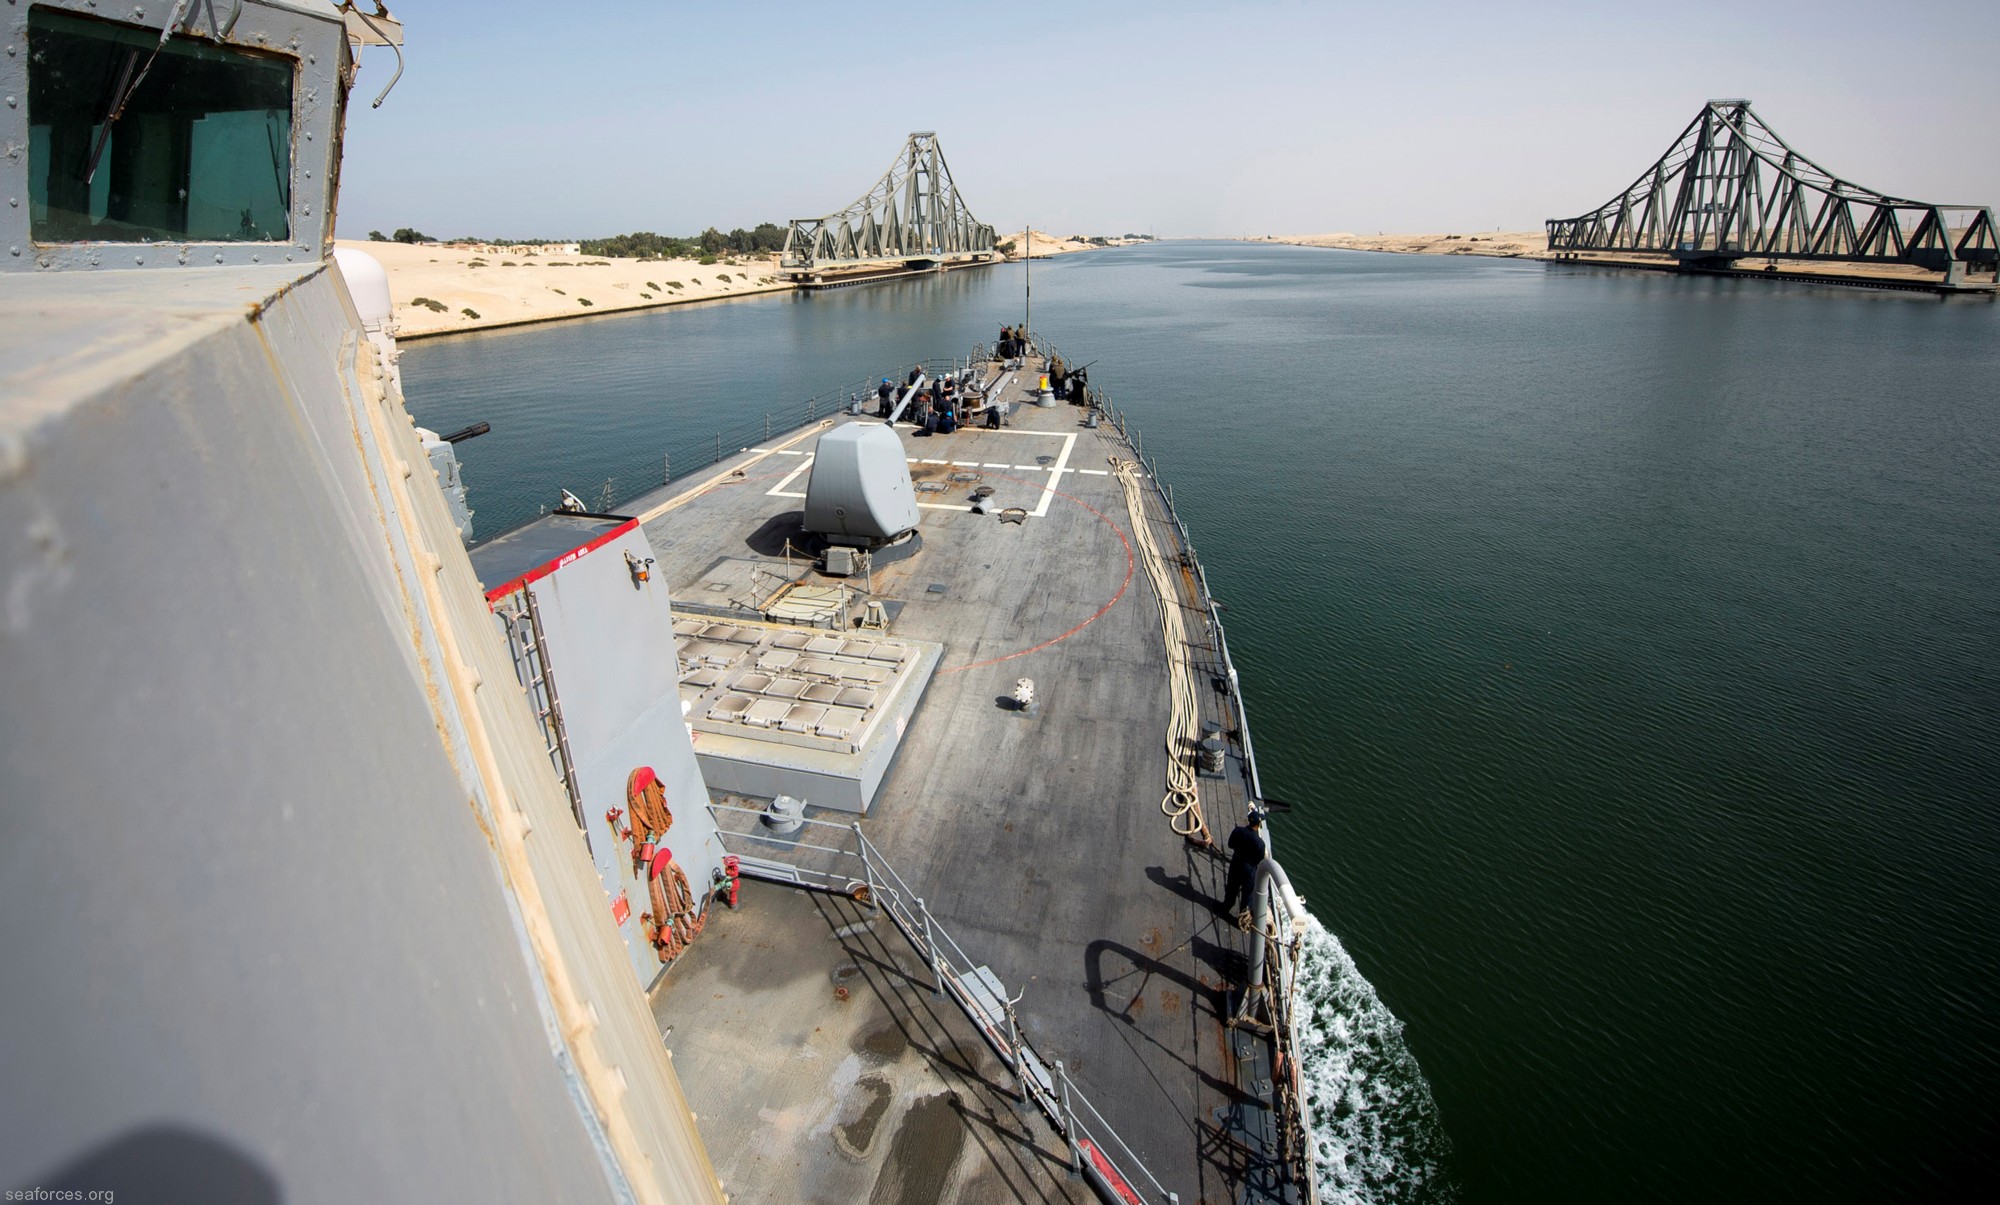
(1038, 841)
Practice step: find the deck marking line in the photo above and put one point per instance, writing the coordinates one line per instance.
(726, 477)
(1056, 471)
(1095, 616)
(785, 482)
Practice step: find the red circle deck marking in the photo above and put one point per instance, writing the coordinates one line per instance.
(1096, 615)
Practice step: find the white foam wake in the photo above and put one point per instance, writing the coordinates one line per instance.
(1374, 1125)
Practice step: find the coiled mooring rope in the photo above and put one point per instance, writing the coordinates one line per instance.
(1182, 804)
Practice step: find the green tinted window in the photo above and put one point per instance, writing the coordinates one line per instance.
(192, 144)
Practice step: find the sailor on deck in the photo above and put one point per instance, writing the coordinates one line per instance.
(1246, 851)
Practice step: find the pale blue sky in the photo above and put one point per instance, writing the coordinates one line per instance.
(518, 118)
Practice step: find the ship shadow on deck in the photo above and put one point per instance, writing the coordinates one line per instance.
(770, 537)
(1023, 1160)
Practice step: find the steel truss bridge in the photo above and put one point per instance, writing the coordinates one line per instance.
(1729, 188)
(913, 217)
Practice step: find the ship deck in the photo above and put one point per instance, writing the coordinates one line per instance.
(806, 1033)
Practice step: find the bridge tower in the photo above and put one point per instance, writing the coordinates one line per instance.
(1730, 188)
(913, 217)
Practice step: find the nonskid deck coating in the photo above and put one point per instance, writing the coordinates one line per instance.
(1038, 841)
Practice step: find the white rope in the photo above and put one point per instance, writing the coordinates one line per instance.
(1182, 805)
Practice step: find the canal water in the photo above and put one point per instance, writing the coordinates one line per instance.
(1629, 644)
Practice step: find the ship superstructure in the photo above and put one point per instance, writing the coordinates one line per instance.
(338, 864)
(292, 902)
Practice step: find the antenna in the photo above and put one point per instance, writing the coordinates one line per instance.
(1028, 283)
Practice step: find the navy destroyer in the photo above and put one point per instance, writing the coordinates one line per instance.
(866, 778)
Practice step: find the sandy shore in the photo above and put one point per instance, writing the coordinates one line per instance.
(450, 287)
(1510, 244)
(1534, 244)
(1046, 244)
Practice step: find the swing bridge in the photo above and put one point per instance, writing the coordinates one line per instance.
(1729, 188)
(913, 217)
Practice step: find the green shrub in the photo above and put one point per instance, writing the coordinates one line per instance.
(437, 307)
(652, 286)
(508, 263)
(646, 296)
(583, 300)
(673, 284)
(554, 290)
(470, 313)
(706, 260)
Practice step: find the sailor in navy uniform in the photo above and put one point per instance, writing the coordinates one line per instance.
(1246, 851)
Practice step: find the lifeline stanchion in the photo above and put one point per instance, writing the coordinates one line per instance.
(1068, 1123)
(930, 948)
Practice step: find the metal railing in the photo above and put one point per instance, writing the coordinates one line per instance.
(1052, 1091)
(857, 868)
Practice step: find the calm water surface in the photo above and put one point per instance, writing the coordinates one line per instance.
(1629, 643)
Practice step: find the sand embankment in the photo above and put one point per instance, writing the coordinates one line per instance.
(1045, 244)
(445, 288)
(448, 288)
(1534, 244)
(1508, 244)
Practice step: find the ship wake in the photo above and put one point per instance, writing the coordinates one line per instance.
(1374, 1125)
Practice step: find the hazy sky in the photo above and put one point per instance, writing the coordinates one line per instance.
(594, 117)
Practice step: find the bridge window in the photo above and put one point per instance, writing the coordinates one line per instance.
(189, 144)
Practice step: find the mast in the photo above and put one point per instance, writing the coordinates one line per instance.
(1028, 281)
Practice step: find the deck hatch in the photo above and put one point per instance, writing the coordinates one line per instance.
(821, 720)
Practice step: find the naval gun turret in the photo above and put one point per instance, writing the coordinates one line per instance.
(860, 494)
